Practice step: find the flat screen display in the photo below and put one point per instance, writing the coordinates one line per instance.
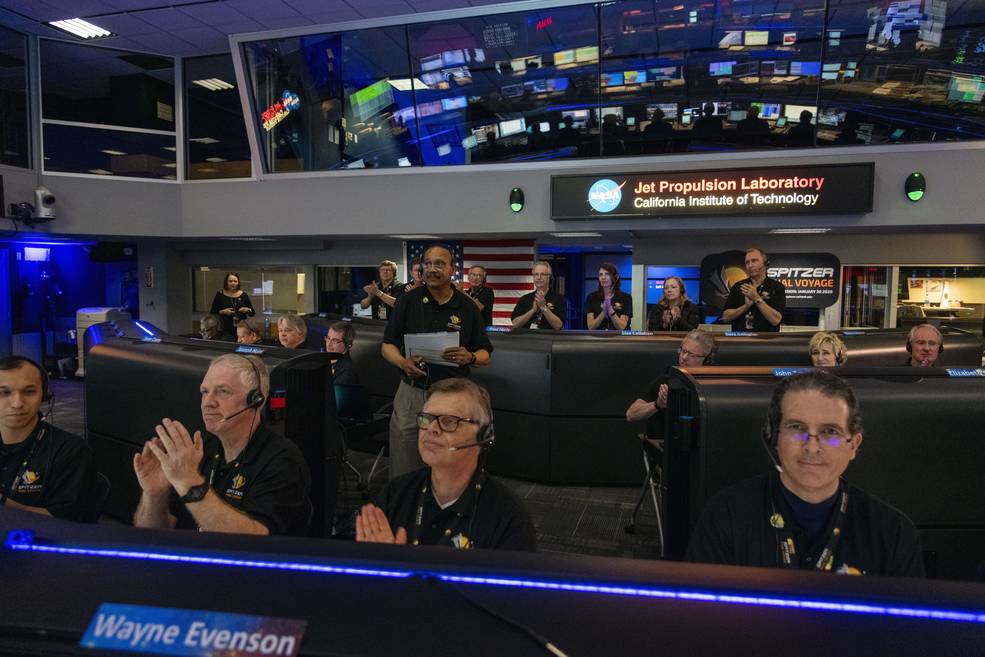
(792, 112)
(736, 115)
(757, 37)
(716, 69)
(805, 68)
(669, 110)
(454, 103)
(563, 57)
(512, 127)
(768, 111)
(586, 54)
(634, 77)
(612, 80)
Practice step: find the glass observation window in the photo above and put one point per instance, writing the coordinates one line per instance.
(216, 144)
(14, 132)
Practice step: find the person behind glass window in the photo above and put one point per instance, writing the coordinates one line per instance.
(674, 311)
(542, 308)
(803, 515)
(381, 295)
(231, 304)
(338, 340)
(658, 133)
(608, 308)
(293, 333)
(925, 344)
(802, 134)
(709, 127)
(210, 328)
(752, 129)
(827, 350)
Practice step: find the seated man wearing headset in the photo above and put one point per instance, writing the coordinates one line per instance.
(805, 516)
(43, 469)
(338, 340)
(451, 501)
(924, 344)
(241, 478)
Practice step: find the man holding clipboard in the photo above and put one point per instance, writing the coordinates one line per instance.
(435, 308)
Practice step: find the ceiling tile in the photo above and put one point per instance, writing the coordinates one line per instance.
(208, 39)
(340, 16)
(135, 5)
(437, 5)
(36, 9)
(213, 13)
(163, 43)
(79, 8)
(381, 9)
(125, 24)
(310, 7)
(283, 23)
(169, 19)
(262, 9)
(239, 27)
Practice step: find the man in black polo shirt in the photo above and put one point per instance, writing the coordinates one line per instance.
(452, 501)
(540, 309)
(434, 307)
(805, 516)
(382, 295)
(756, 303)
(242, 478)
(338, 340)
(42, 469)
(483, 297)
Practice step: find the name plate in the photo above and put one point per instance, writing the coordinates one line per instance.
(249, 349)
(790, 371)
(191, 632)
(740, 334)
(966, 371)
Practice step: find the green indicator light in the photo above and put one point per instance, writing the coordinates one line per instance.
(516, 199)
(916, 186)
(915, 195)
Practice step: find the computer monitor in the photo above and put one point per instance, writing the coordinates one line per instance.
(665, 73)
(686, 119)
(518, 65)
(536, 86)
(557, 84)
(768, 111)
(454, 103)
(757, 37)
(616, 111)
(669, 110)
(430, 108)
(731, 38)
(563, 57)
(533, 62)
(805, 68)
(634, 77)
(897, 133)
(746, 69)
(586, 54)
(578, 117)
(831, 117)
(736, 115)
(630, 120)
(512, 127)
(716, 69)
(780, 67)
(722, 107)
(792, 112)
(431, 63)
(452, 57)
(513, 90)
(612, 80)
(545, 126)
(781, 122)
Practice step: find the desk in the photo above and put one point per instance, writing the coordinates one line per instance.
(951, 312)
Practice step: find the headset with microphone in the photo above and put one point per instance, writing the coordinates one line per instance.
(769, 437)
(940, 347)
(254, 398)
(484, 439)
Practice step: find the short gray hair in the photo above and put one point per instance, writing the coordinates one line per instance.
(481, 404)
(913, 333)
(249, 368)
(550, 270)
(294, 320)
(706, 340)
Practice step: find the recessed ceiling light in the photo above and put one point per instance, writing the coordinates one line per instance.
(214, 84)
(799, 231)
(406, 84)
(216, 159)
(204, 140)
(206, 169)
(577, 234)
(80, 28)
(110, 151)
(170, 148)
(415, 237)
(101, 172)
(169, 165)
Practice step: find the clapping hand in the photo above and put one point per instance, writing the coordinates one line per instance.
(150, 476)
(371, 289)
(540, 299)
(749, 292)
(179, 454)
(662, 396)
(372, 526)
(607, 307)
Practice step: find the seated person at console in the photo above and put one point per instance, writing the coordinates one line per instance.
(239, 478)
(608, 308)
(339, 340)
(805, 516)
(827, 350)
(755, 303)
(540, 309)
(250, 331)
(293, 334)
(451, 501)
(674, 311)
(924, 344)
(43, 469)
(697, 348)
(210, 328)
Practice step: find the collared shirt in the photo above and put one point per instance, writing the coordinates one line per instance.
(380, 309)
(655, 423)
(735, 528)
(418, 312)
(622, 305)
(774, 295)
(59, 475)
(344, 372)
(487, 298)
(488, 515)
(555, 302)
(269, 482)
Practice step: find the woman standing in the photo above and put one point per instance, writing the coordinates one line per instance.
(674, 311)
(231, 304)
(608, 308)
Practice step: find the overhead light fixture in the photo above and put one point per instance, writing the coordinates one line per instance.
(214, 84)
(80, 28)
(169, 165)
(204, 140)
(110, 151)
(799, 231)
(415, 237)
(407, 84)
(577, 234)
(216, 159)
(101, 172)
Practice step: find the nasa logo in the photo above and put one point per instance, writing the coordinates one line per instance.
(605, 195)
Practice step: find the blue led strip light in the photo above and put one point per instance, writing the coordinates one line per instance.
(144, 329)
(25, 544)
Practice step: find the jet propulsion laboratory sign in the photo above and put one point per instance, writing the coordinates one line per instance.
(820, 189)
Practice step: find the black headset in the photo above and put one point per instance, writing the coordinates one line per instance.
(254, 398)
(940, 347)
(768, 435)
(486, 436)
(14, 362)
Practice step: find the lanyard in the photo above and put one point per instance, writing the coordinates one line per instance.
(788, 547)
(12, 487)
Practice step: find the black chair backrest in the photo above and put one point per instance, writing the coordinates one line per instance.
(352, 404)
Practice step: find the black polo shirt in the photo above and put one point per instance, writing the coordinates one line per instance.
(554, 301)
(735, 528)
(417, 312)
(488, 515)
(655, 423)
(58, 475)
(487, 298)
(380, 309)
(774, 295)
(622, 305)
(344, 371)
(269, 482)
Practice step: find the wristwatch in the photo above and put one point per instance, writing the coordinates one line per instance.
(472, 361)
(195, 493)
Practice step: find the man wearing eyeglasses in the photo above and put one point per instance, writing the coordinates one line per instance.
(338, 340)
(451, 501)
(435, 307)
(805, 516)
(697, 348)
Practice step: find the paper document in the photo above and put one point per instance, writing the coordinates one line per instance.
(429, 346)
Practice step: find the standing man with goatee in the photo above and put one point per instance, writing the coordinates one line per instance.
(756, 303)
(434, 307)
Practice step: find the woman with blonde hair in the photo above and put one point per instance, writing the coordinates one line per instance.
(674, 311)
(827, 350)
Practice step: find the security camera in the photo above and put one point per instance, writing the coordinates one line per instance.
(44, 204)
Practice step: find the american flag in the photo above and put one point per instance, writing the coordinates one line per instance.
(508, 264)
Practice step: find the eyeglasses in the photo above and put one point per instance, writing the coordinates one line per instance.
(437, 264)
(690, 354)
(334, 341)
(447, 423)
(797, 433)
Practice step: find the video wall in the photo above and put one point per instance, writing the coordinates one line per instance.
(620, 79)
